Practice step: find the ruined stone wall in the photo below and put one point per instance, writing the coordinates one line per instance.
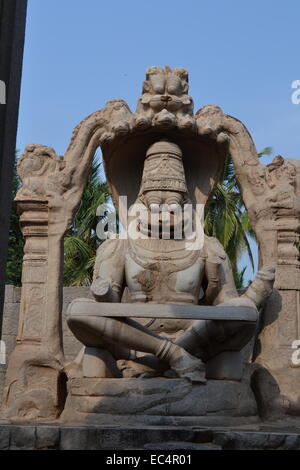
(11, 319)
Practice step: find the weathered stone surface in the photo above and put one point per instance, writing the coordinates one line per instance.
(11, 319)
(47, 437)
(292, 442)
(9, 293)
(71, 293)
(75, 438)
(182, 446)
(143, 437)
(2, 380)
(144, 399)
(256, 440)
(108, 437)
(118, 437)
(4, 437)
(17, 294)
(84, 307)
(71, 347)
(23, 437)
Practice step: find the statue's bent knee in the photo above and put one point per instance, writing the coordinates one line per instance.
(84, 329)
(206, 338)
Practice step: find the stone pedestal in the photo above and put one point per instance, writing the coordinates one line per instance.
(281, 436)
(159, 402)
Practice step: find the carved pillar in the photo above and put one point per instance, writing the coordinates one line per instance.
(277, 379)
(34, 380)
(34, 226)
(35, 386)
(271, 194)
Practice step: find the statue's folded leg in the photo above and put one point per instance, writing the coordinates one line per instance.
(96, 331)
(207, 338)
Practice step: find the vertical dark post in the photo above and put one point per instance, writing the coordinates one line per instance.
(12, 32)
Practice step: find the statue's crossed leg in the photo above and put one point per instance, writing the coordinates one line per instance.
(128, 339)
(103, 331)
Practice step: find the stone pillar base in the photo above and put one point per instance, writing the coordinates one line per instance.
(35, 386)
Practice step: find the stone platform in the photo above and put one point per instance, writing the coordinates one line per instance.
(62, 437)
(159, 402)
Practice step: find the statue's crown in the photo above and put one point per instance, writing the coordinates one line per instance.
(163, 168)
(164, 146)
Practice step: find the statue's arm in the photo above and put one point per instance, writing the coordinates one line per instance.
(222, 284)
(109, 271)
(221, 287)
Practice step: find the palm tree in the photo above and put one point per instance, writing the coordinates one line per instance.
(15, 252)
(81, 241)
(227, 219)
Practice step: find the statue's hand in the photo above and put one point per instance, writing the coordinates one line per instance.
(101, 289)
(212, 270)
(261, 288)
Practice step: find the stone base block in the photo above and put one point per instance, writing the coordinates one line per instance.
(282, 435)
(158, 401)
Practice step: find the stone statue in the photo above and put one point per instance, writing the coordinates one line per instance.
(163, 339)
(165, 271)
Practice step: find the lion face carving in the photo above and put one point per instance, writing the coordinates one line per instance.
(165, 89)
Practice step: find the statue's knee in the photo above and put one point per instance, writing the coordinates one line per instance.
(241, 334)
(86, 331)
(248, 331)
(223, 333)
(74, 323)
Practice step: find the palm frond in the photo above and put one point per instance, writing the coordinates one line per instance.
(265, 151)
(81, 241)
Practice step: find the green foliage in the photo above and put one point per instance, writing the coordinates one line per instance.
(15, 241)
(81, 241)
(265, 151)
(239, 277)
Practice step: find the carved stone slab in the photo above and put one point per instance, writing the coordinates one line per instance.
(92, 308)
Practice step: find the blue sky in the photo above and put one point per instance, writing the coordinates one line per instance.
(242, 56)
